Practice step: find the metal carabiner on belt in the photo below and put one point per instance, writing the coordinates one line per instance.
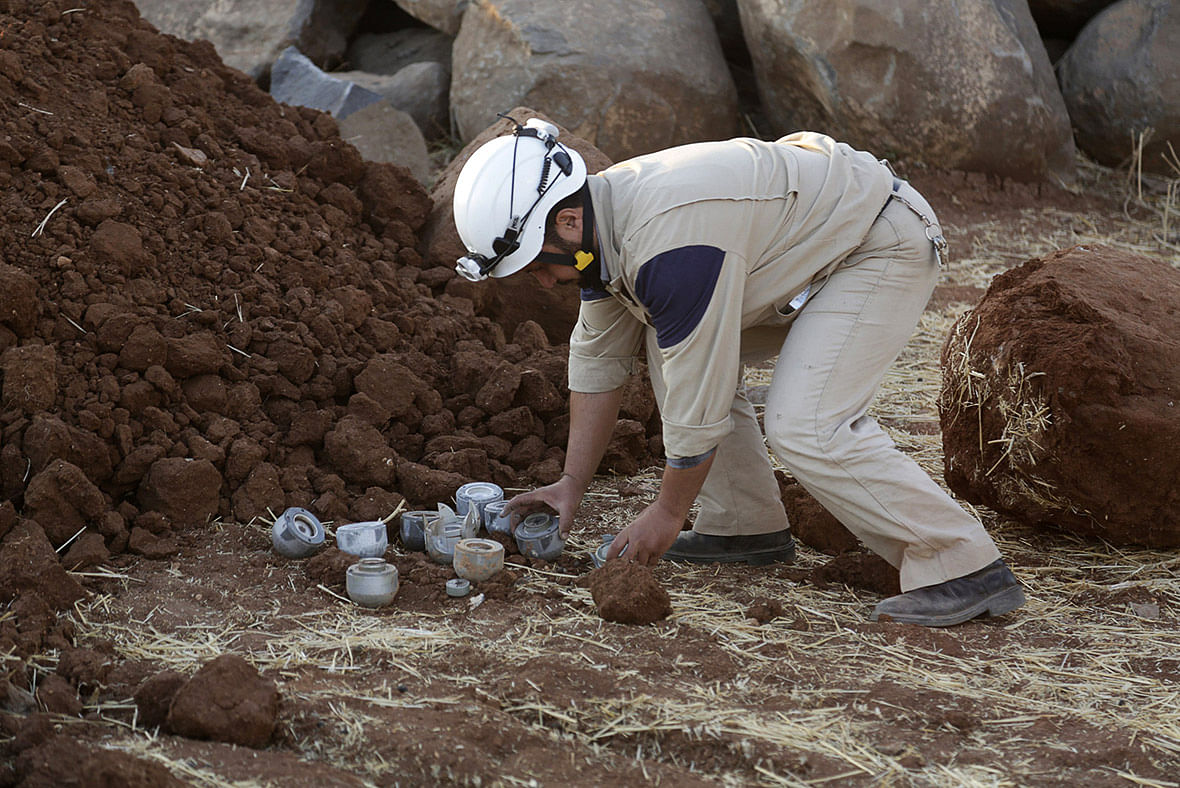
(933, 231)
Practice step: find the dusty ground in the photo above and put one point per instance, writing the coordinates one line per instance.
(759, 676)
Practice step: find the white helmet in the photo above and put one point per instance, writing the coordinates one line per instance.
(504, 194)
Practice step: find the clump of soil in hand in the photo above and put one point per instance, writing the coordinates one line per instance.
(628, 593)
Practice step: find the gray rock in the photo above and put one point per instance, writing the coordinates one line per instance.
(295, 80)
(629, 76)
(249, 36)
(972, 90)
(1119, 79)
(444, 15)
(384, 134)
(419, 89)
(389, 53)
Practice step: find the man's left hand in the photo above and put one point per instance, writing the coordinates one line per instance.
(648, 537)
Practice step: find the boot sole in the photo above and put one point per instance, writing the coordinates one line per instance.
(997, 604)
(753, 559)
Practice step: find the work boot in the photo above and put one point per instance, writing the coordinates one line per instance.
(756, 549)
(993, 590)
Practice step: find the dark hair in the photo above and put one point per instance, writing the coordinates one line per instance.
(570, 201)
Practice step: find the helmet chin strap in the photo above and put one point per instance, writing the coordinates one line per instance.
(584, 261)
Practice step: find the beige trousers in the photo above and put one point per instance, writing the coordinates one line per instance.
(828, 370)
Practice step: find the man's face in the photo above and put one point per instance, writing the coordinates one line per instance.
(552, 274)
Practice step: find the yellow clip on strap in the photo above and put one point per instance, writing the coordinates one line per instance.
(582, 259)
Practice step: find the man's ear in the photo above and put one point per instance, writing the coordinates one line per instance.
(569, 219)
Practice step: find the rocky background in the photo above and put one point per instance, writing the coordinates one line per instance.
(1005, 87)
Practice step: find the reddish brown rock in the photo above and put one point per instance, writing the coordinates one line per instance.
(30, 377)
(57, 696)
(1060, 396)
(89, 549)
(154, 697)
(811, 523)
(64, 500)
(29, 565)
(185, 491)
(18, 300)
(628, 593)
(227, 700)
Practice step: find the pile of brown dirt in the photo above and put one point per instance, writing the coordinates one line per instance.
(212, 306)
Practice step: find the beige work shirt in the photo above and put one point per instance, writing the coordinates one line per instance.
(707, 244)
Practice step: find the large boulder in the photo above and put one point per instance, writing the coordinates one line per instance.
(389, 53)
(444, 15)
(1119, 80)
(420, 89)
(513, 300)
(1060, 394)
(382, 133)
(630, 76)
(972, 90)
(250, 36)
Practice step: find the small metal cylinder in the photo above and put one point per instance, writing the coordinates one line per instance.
(539, 536)
(413, 529)
(458, 586)
(441, 540)
(478, 495)
(478, 559)
(297, 533)
(371, 582)
(495, 520)
(367, 540)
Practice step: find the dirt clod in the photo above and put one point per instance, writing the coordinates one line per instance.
(628, 593)
(228, 701)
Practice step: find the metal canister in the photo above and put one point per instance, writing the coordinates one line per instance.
(413, 529)
(478, 559)
(371, 582)
(539, 536)
(495, 520)
(367, 540)
(478, 495)
(297, 533)
(441, 538)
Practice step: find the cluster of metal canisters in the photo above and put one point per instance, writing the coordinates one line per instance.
(449, 536)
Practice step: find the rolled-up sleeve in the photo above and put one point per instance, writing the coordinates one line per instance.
(694, 296)
(604, 346)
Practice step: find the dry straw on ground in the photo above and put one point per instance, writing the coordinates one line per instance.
(813, 696)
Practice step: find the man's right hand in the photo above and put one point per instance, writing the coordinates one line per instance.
(564, 496)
